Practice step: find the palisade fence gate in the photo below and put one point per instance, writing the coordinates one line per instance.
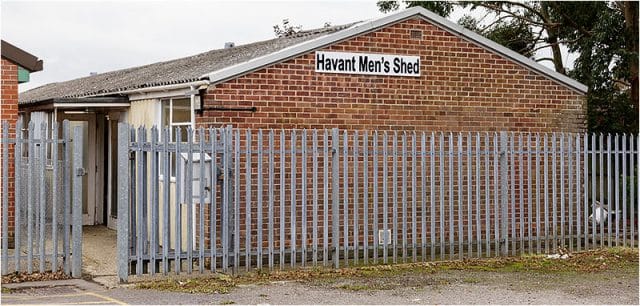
(42, 222)
(230, 200)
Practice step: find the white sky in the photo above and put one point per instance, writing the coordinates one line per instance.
(75, 38)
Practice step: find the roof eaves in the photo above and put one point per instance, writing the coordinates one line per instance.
(230, 72)
(22, 58)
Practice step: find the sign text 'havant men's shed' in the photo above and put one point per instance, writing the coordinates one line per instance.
(367, 63)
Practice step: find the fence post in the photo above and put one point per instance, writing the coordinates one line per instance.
(504, 194)
(5, 197)
(76, 212)
(123, 201)
(335, 194)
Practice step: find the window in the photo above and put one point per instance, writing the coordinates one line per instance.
(176, 113)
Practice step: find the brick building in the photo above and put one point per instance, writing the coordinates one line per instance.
(409, 71)
(16, 66)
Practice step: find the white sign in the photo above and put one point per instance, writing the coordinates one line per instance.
(367, 63)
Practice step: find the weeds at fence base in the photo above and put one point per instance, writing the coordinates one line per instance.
(385, 277)
(17, 277)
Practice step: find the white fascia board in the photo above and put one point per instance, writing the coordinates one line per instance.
(227, 73)
(85, 105)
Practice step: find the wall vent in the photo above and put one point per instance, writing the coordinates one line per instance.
(416, 34)
(384, 236)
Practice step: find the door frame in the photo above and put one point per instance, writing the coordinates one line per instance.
(93, 197)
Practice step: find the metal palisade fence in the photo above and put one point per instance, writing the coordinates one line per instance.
(225, 199)
(42, 220)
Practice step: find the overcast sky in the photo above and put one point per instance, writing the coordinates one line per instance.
(75, 38)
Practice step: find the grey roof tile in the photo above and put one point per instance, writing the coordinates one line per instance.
(177, 71)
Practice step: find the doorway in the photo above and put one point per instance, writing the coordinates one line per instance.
(93, 187)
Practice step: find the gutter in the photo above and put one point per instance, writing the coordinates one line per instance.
(156, 88)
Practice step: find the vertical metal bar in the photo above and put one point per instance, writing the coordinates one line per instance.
(18, 167)
(303, 244)
(335, 194)
(513, 193)
(385, 198)
(423, 198)
(356, 225)
(487, 195)
(504, 193)
(634, 179)
(42, 188)
(166, 188)
(624, 188)
(460, 198)
(66, 174)
(539, 154)
(562, 181)
(394, 187)
(247, 200)
(585, 212)
(376, 243)
(325, 194)
(530, 152)
(414, 233)
(570, 189)
(314, 150)
(213, 214)
(365, 194)
(155, 201)
(282, 198)
(236, 203)
(271, 212)
(123, 197)
(478, 198)
(451, 196)
(609, 190)
(469, 197)
(139, 201)
(259, 218)
(521, 185)
(178, 204)
(554, 198)
(432, 195)
(404, 196)
(601, 174)
(294, 157)
(76, 269)
(616, 192)
(5, 198)
(594, 229)
(578, 194)
(345, 201)
(55, 197)
(546, 195)
(30, 196)
(496, 194)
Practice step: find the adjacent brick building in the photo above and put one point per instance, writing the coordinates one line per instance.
(16, 66)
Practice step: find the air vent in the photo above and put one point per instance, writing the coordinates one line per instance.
(384, 236)
(416, 34)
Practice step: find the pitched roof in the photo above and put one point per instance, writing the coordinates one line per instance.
(224, 64)
(177, 71)
(22, 58)
(227, 73)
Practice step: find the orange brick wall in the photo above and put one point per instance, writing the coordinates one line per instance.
(9, 112)
(462, 87)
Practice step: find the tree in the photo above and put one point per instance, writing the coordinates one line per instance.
(604, 35)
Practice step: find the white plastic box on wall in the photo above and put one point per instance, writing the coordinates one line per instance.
(196, 159)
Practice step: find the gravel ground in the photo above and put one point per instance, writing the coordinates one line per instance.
(616, 285)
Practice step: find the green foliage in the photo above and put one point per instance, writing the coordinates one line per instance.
(442, 8)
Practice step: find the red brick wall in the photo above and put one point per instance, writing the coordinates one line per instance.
(463, 87)
(9, 112)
